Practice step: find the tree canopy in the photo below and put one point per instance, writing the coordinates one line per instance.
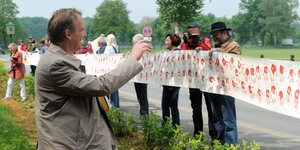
(112, 17)
(8, 12)
(178, 12)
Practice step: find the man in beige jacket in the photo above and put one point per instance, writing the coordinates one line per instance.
(223, 106)
(68, 115)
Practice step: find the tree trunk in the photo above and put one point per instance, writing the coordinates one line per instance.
(263, 39)
(4, 40)
(176, 28)
(275, 40)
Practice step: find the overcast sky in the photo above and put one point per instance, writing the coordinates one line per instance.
(138, 8)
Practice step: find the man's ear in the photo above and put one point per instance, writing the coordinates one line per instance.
(68, 34)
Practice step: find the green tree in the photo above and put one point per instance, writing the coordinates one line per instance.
(278, 18)
(246, 23)
(33, 26)
(205, 21)
(178, 12)
(8, 12)
(112, 17)
(90, 31)
(159, 33)
(241, 28)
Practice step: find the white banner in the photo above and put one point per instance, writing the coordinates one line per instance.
(270, 84)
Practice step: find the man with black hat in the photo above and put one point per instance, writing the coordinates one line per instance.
(223, 106)
(192, 41)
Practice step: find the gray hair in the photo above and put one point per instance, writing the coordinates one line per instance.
(13, 46)
(137, 38)
(101, 40)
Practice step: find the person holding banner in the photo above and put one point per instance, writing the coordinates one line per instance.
(112, 48)
(170, 93)
(68, 114)
(141, 88)
(223, 106)
(31, 48)
(192, 41)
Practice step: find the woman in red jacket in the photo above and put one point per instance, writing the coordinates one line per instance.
(17, 71)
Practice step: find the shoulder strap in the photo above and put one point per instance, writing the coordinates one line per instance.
(115, 49)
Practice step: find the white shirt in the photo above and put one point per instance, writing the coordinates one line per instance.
(110, 49)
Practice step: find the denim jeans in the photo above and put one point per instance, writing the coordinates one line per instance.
(114, 99)
(141, 94)
(196, 103)
(170, 101)
(224, 118)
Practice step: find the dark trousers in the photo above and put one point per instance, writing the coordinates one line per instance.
(170, 101)
(32, 67)
(114, 99)
(224, 118)
(196, 103)
(141, 94)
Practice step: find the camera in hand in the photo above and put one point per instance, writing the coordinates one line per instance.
(191, 40)
(15, 58)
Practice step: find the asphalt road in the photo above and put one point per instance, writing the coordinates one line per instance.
(271, 130)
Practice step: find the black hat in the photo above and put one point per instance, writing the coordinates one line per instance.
(218, 26)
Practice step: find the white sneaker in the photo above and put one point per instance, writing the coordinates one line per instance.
(23, 99)
(7, 98)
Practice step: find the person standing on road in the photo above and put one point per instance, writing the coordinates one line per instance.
(112, 48)
(68, 114)
(17, 71)
(192, 41)
(141, 88)
(101, 43)
(223, 106)
(31, 48)
(171, 93)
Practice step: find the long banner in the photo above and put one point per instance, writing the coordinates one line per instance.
(270, 84)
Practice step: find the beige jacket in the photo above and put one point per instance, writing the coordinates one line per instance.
(68, 116)
(231, 46)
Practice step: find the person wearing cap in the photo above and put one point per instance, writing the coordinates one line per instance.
(31, 45)
(192, 41)
(223, 106)
(31, 48)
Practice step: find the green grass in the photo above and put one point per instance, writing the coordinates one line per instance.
(272, 53)
(12, 136)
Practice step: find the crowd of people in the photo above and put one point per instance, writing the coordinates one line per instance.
(17, 70)
(221, 109)
(68, 112)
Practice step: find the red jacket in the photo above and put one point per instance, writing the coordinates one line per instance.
(17, 65)
(205, 45)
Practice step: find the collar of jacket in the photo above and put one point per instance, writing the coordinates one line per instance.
(59, 51)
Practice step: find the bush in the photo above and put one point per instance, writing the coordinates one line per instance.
(157, 135)
(3, 71)
(123, 123)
